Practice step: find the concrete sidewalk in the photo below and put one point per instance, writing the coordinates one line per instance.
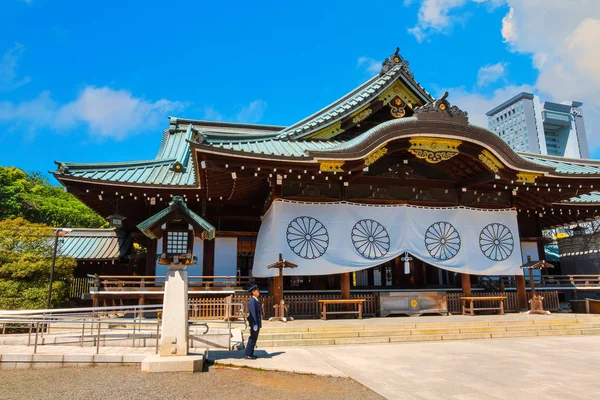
(533, 368)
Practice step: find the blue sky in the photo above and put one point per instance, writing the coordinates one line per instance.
(91, 81)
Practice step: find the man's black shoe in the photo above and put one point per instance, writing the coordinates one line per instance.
(250, 357)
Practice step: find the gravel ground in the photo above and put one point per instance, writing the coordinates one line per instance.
(218, 383)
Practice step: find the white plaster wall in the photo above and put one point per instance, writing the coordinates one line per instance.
(225, 256)
(530, 249)
(198, 250)
(161, 270)
(192, 270)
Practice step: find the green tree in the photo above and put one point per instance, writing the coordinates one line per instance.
(26, 251)
(31, 196)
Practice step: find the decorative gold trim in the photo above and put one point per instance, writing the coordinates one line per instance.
(331, 165)
(434, 150)
(375, 155)
(362, 115)
(490, 161)
(526, 177)
(328, 132)
(398, 89)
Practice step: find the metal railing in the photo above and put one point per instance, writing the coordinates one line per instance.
(157, 282)
(78, 326)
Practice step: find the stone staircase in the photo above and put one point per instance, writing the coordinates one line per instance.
(397, 330)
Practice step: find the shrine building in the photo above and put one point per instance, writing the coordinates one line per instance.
(386, 188)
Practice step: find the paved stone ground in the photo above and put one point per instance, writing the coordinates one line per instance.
(101, 383)
(532, 368)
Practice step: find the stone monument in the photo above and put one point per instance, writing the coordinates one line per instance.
(178, 227)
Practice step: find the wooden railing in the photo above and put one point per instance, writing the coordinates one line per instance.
(157, 283)
(557, 281)
(300, 305)
(592, 306)
(571, 280)
(511, 304)
(216, 308)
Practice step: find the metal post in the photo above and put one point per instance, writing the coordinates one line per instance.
(134, 319)
(52, 268)
(82, 332)
(98, 339)
(157, 333)
(29, 335)
(37, 329)
(229, 321)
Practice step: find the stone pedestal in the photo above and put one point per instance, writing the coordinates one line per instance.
(173, 364)
(175, 315)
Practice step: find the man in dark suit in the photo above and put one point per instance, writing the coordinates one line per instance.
(254, 321)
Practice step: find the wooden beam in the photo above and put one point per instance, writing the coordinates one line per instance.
(478, 179)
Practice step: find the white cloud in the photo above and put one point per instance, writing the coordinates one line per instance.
(434, 17)
(370, 65)
(490, 73)
(439, 16)
(105, 111)
(211, 114)
(477, 104)
(8, 68)
(252, 112)
(39, 111)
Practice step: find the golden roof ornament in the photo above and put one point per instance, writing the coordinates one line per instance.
(441, 109)
(394, 60)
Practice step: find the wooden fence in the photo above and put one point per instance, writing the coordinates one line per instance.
(78, 287)
(306, 305)
(300, 306)
(511, 303)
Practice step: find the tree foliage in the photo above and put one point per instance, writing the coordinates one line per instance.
(32, 197)
(26, 251)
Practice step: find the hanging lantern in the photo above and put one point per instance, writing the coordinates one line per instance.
(407, 259)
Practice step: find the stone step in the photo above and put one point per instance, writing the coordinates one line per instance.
(421, 336)
(405, 332)
(442, 325)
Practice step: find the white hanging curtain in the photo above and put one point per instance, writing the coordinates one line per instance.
(331, 238)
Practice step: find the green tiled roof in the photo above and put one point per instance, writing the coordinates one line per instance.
(277, 147)
(158, 172)
(591, 198)
(176, 203)
(565, 165)
(94, 244)
(347, 104)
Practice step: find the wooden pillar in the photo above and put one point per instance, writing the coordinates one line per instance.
(521, 292)
(151, 258)
(345, 285)
(466, 284)
(277, 289)
(208, 258)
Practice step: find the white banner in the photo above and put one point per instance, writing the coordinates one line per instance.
(331, 238)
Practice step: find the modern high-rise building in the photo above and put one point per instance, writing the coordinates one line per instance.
(551, 128)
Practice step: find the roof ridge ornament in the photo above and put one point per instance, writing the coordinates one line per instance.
(441, 109)
(394, 60)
